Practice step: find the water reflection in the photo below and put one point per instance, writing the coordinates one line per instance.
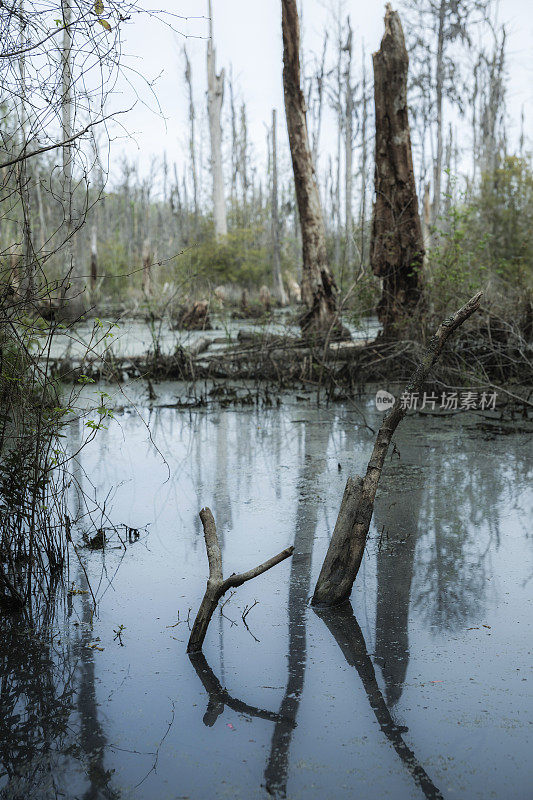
(343, 625)
(92, 739)
(396, 518)
(35, 700)
(219, 697)
(316, 433)
(443, 511)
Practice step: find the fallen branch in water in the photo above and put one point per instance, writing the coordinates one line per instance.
(348, 542)
(216, 585)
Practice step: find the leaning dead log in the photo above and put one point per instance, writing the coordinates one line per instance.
(397, 244)
(216, 585)
(347, 544)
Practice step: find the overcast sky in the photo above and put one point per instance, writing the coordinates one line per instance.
(248, 36)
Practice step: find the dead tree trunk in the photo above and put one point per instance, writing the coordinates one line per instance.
(426, 227)
(348, 161)
(73, 286)
(215, 96)
(439, 89)
(364, 158)
(216, 585)
(319, 290)
(192, 138)
(347, 544)
(397, 246)
(147, 267)
(94, 261)
(279, 291)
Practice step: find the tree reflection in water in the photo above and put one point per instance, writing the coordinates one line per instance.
(348, 635)
(47, 677)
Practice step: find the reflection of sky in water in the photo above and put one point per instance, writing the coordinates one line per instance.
(134, 337)
(414, 694)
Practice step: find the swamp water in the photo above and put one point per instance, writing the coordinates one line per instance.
(423, 691)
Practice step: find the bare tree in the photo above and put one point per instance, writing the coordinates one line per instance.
(192, 137)
(215, 97)
(364, 159)
(397, 247)
(319, 100)
(348, 161)
(436, 27)
(72, 287)
(279, 291)
(319, 290)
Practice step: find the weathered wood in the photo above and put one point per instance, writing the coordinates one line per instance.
(397, 246)
(347, 545)
(215, 97)
(319, 290)
(333, 577)
(216, 585)
(195, 317)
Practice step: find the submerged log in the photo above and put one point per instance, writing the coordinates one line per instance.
(216, 585)
(397, 244)
(347, 544)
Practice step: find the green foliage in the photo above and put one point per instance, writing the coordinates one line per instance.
(505, 214)
(485, 241)
(239, 257)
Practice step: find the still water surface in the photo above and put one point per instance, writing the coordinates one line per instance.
(422, 688)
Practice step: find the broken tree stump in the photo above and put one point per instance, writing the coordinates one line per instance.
(216, 585)
(348, 542)
(396, 244)
(195, 317)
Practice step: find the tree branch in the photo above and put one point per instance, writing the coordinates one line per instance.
(216, 585)
(348, 542)
(24, 156)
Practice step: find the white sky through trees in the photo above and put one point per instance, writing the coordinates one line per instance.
(248, 38)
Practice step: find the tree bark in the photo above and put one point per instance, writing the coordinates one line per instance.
(319, 290)
(397, 246)
(348, 542)
(215, 97)
(216, 585)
